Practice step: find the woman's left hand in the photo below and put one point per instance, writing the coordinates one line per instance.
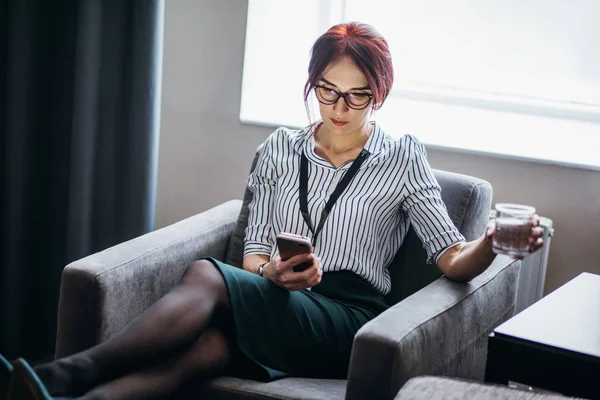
(535, 237)
(283, 275)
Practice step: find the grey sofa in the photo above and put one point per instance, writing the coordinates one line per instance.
(436, 326)
(441, 388)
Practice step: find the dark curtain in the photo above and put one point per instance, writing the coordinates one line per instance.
(79, 119)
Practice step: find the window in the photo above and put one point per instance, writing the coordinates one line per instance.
(511, 77)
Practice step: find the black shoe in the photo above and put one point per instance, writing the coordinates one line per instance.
(25, 384)
(6, 370)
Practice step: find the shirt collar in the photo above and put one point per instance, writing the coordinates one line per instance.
(374, 145)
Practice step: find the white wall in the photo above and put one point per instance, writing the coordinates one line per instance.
(205, 152)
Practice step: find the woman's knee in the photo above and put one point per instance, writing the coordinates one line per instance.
(216, 347)
(201, 271)
(204, 274)
(210, 353)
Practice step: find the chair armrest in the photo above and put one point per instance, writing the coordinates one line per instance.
(440, 330)
(101, 293)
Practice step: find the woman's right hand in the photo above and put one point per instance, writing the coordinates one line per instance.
(283, 275)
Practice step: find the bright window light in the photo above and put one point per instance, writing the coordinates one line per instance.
(517, 78)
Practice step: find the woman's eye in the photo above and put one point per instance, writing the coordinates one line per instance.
(328, 93)
(359, 95)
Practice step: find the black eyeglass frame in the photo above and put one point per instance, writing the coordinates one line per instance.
(342, 95)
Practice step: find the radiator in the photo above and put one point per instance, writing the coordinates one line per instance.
(532, 276)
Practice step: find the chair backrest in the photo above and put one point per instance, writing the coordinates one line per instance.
(468, 201)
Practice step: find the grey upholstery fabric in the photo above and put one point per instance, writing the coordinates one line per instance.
(440, 330)
(439, 388)
(468, 201)
(99, 294)
(227, 388)
(235, 252)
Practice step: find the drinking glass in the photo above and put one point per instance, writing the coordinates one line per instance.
(513, 228)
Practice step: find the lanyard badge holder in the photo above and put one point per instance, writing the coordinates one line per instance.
(339, 189)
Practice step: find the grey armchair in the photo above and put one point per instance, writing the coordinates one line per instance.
(435, 327)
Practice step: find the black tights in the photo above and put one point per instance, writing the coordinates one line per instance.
(187, 333)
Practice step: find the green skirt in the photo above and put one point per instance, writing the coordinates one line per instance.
(307, 333)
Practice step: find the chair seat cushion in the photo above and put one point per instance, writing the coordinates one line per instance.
(228, 388)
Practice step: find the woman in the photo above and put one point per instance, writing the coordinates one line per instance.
(261, 321)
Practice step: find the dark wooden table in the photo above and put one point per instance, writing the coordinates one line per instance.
(554, 344)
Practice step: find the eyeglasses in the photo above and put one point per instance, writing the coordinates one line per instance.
(354, 100)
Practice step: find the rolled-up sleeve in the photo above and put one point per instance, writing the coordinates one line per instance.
(261, 183)
(426, 210)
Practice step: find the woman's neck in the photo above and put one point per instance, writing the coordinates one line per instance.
(338, 145)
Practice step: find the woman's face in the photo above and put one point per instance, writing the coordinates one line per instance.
(344, 77)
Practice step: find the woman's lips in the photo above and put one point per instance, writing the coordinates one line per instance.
(337, 122)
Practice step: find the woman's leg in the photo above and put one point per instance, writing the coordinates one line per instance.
(208, 357)
(171, 325)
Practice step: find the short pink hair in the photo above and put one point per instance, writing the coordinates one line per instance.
(365, 46)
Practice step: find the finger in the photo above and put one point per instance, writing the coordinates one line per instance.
(294, 277)
(316, 265)
(302, 258)
(304, 276)
(314, 273)
(536, 245)
(307, 278)
(294, 281)
(536, 220)
(490, 229)
(537, 232)
(316, 279)
(298, 259)
(313, 280)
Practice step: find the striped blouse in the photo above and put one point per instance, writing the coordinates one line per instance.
(393, 189)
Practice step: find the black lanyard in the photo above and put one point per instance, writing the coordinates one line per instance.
(339, 189)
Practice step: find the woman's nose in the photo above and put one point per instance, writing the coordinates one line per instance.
(340, 105)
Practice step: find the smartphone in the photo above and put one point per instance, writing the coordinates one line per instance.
(290, 245)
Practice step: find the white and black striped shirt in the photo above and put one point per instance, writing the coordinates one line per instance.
(393, 188)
